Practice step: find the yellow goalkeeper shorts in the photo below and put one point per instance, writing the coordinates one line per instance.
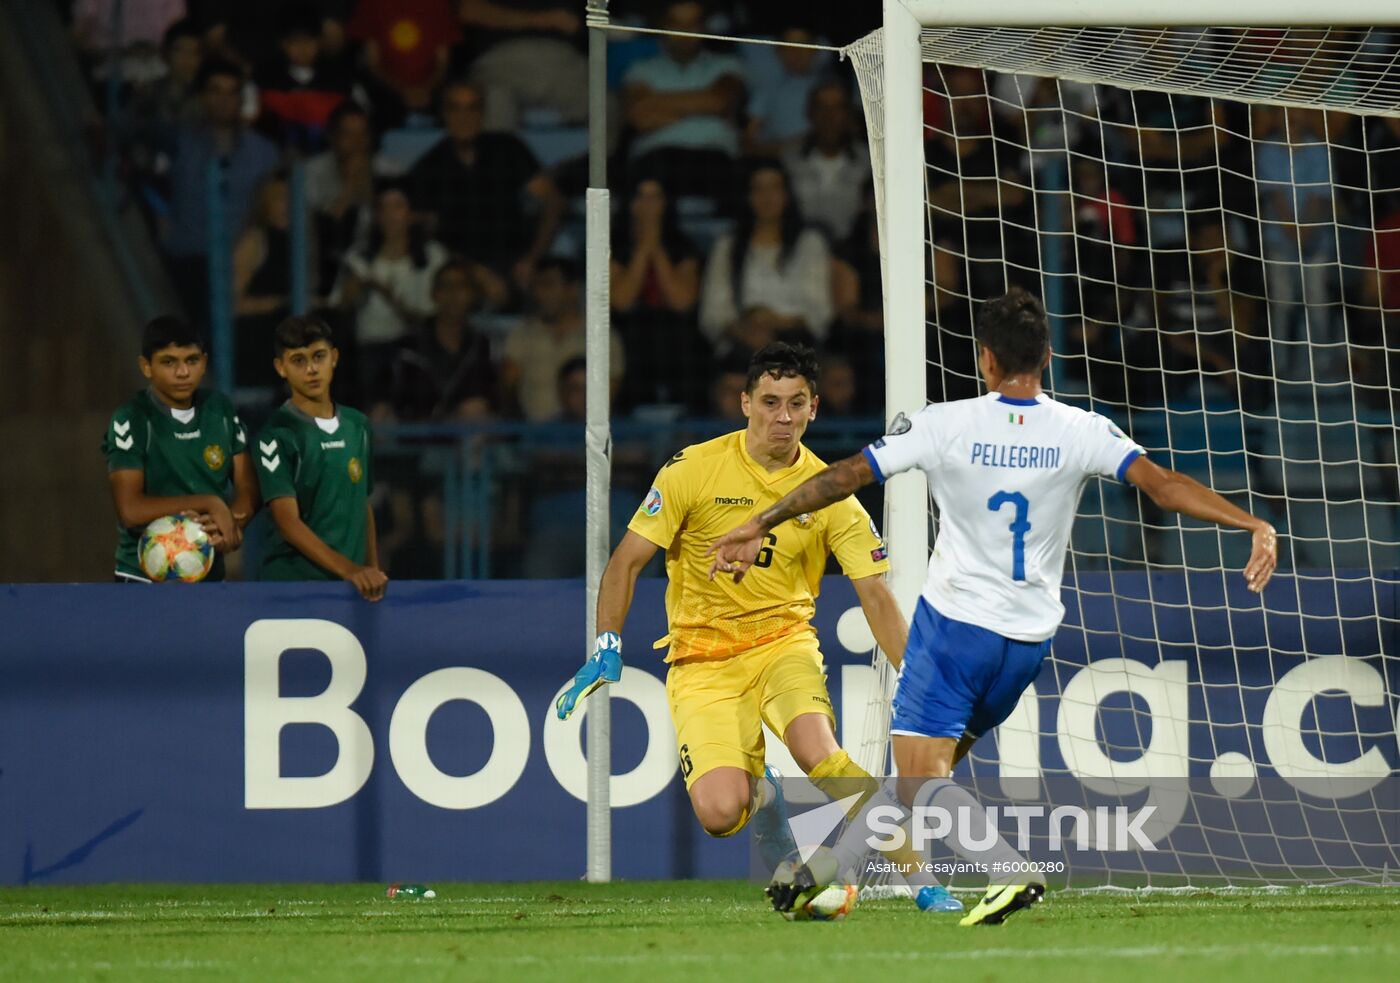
(718, 706)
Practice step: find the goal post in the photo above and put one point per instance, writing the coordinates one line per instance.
(1293, 417)
(1109, 13)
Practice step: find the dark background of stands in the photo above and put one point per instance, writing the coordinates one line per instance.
(455, 288)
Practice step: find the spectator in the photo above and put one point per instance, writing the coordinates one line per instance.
(244, 32)
(216, 146)
(1105, 233)
(858, 331)
(777, 110)
(143, 25)
(655, 286)
(1373, 291)
(159, 108)
(530, 57)
(558, 473)
(1352, 164)
(838, 396)
(1374, 324)
(1234, 175)
(855, 280)
(948, 341)
(297, 89)
(335, 39)
(317, 490)
(730, 382)
(1045, 114)
(771, 278)
(1299, 237)
(1203, 316)
(1382, 144)
(388, 287)
(477, 184)
(539, 346)
(407, 45)
(177, 448)
(1176, 144)
(972, 192)
(684, 105)
(340, 187)
(445, 371)
(830, 168)
(573, 391)
(262, 281)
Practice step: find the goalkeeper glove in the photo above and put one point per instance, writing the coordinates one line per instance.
(603, 666)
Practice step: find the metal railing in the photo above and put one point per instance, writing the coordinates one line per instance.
(489, 476)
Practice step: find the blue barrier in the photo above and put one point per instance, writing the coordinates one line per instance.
(142, 737)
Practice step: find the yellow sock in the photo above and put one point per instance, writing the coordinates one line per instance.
(838, 776)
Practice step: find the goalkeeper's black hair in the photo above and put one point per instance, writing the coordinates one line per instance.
(168, 330)
(1013, 328)
(300, 331)
(783, 361)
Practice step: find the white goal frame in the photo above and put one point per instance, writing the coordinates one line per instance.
(903, 231)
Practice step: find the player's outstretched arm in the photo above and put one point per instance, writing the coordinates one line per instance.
(615, 592)
(883, 615)
(620, 580)
(1177, 492)
(735, 551)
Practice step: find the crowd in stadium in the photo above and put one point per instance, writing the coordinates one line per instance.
(444, 145)
(443, 151)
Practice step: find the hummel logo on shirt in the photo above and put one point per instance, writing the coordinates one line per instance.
(270, 458)
(124, 437)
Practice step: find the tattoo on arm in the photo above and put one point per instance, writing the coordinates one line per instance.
(835, 483)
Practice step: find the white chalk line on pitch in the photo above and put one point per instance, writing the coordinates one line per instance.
(1078, 952)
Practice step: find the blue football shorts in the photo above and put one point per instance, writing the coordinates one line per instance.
(958, 678)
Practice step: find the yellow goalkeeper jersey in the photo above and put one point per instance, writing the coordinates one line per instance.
(704, 492)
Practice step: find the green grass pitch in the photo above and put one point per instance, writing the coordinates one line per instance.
(696, 930)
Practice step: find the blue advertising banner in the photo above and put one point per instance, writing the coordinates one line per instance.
(273, 732)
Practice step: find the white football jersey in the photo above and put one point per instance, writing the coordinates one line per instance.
(1007, 475)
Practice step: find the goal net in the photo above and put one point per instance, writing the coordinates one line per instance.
(1212, 219)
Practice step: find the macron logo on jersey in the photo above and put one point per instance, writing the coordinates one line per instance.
(741, 500)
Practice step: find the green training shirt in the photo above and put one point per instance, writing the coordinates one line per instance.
(175, 456)
(325, 466)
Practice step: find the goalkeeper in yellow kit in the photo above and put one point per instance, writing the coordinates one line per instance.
(745, 654)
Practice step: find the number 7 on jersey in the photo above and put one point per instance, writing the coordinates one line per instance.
(1020, 525)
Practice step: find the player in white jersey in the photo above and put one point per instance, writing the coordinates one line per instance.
(1006, 470)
